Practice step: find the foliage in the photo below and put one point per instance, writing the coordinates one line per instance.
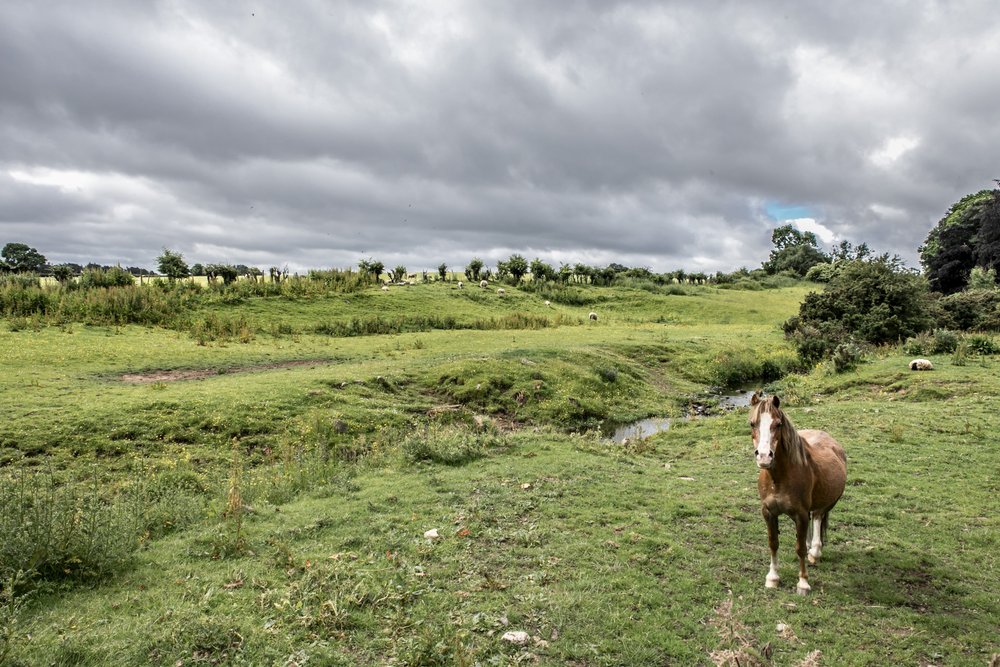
(473, 269)
(398, 273)
(59, 531)
(982, 279)
(987, 241)
(542, 271)
(846, 357)
(950, 251)
(443, 271)
(517, 266)
(822, 272)
(981, 344)
(794, 251)
(171, 264)
(971, 310)
(875, 301)
(371, 268)
(450, 445)
(116, 276)
(736, 367)
(227, 272)
(20, 258)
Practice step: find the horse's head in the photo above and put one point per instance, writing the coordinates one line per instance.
(767, 424)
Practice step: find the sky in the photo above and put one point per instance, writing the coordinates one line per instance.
(312, 134)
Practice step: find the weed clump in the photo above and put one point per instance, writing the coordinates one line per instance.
(450, 446)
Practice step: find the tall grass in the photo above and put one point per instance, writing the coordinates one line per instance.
(62, 530)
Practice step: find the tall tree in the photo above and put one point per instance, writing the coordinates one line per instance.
(949, 252)
(172, 265)
(794, 251)
(443, 271)
(22, 259)
(988, 239)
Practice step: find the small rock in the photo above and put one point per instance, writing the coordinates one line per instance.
(518, 637)
(526, 486)
(781, 627)
(432, 534)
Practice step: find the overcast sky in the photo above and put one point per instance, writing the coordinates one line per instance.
(313, 134)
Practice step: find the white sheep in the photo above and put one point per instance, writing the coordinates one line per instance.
(548, 304)
(461, 285)
(593, 316)
(484, 284)
(501, 292)
(921, 365)
(385, 288)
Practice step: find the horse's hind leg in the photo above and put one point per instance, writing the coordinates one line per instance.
(816, 528)
(772, 579)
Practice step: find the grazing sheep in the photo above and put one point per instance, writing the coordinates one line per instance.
(593, 316)
(548, 304)
(483, 284)
(501, 292)
(461, 285)
(921, 365)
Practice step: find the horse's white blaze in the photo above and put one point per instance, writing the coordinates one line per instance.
(816, 549)
(764, 452)
(772, 579)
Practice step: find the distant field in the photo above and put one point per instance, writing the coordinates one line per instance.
(283, 487)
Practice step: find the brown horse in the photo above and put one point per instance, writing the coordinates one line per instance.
(802, 474)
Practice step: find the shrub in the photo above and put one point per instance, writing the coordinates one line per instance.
(846, 357)
(918, 345)
(872, 301)
(736, 367)
(944, 341)
(974, 309)
(981, 344)
(116, 276)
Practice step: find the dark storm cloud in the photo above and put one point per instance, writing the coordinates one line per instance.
(314, 133)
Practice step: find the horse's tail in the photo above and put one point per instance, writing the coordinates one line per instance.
(823, 525)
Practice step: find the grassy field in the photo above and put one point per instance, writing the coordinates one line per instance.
(281, 490)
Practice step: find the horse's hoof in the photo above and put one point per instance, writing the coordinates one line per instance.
(803, 588)
(771, 583)
(812, 559)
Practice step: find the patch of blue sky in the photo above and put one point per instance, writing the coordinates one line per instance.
(780, 211)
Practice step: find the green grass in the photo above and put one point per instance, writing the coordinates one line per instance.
(605, 554)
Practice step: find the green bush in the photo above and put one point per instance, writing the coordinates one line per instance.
(944, 341)
(846, 357)
(872, 301)
(981, 344)
(971, 310)
(918, 345)
(736, 367)
(116, 276)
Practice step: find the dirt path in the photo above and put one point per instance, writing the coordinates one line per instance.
(202, 373)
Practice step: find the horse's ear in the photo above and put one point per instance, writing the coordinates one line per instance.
(776, 401)
(755, 399)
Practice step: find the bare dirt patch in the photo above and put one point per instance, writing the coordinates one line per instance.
(151, 377)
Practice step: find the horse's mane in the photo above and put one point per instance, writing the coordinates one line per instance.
(789, 435)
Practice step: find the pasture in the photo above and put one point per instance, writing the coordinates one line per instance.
(314, 496)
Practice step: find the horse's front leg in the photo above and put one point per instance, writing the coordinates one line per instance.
(772, 579)
(801, 547)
